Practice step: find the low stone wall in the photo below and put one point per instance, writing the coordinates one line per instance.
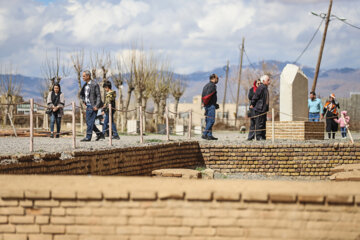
(134, 208)
(134, 161)
(280, 159)
(296, 130)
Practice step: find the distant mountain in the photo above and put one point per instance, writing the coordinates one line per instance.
(339, 81)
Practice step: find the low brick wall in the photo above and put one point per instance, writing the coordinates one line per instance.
(296, 130)
(134, 208)
(134, 161)
(280, 159)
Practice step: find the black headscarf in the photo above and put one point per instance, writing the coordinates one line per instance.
(55, 99)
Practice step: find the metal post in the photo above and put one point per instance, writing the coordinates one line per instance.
(110, 124)
(31, 125)
(226, 80)
(167, 123)
(73, 125)
(190, 123)
(141, 125)
(238, 87)
(322, 47)
(273, 125)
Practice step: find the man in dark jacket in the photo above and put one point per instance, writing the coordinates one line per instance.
(260, 105)
(91, 98)
(209, 99)
(252, 91)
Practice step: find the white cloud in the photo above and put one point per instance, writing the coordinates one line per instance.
(195, 35)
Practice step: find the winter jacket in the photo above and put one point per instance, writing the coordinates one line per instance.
(94, 97)
(209, 94)
(110, 98)
(60, 111)
(343, 121)
(260, 100)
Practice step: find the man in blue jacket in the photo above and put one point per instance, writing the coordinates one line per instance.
(260, 105)
(91, 98)
(209, 99)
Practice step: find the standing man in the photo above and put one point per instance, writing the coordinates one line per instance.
(91, 98)
(260, 105)
(209, 99)
(315, 108)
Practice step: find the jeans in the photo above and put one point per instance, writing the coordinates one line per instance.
(209, 120)
(106, 124)
(314, 117)
(343, 132)
(260, 126)
(90, 122)
(54, 118)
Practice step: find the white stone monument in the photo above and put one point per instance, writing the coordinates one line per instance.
(293, 94)
(133, 127)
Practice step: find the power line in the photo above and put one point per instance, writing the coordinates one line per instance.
(247, 57)
(312, 38)
(351, 24)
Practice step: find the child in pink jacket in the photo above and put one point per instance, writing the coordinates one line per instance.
(343, 121)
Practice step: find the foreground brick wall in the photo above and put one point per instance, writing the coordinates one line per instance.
(83, 208)
(280, 159)
(121, 161)
(296, 130)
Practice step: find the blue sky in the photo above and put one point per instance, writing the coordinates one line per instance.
(195, 35)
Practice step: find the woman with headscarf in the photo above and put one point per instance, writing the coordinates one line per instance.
(331, 112)
(55, 102)
(252, 91)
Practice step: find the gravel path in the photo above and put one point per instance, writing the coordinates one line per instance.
(12, 145)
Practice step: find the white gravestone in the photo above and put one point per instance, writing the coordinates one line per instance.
(293, 94)
(133, 126)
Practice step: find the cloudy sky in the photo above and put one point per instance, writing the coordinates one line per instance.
(196, 35)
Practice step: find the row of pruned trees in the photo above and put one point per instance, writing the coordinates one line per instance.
(145, 76)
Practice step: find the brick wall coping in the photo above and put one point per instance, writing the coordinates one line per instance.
(149, 189)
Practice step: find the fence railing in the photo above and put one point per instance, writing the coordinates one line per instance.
(141, 118)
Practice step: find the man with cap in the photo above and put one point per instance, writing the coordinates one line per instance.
(315, 108)
(209, 99)
(331, 113)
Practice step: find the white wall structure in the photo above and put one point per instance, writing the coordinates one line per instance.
(293, 94)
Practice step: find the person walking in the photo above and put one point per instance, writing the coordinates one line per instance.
(91, 98)
(331, 113)
(344, 123)
(110, 97)
(260, 105)
(315, 108)
(55, 102)
(209, 99)
(252, 91)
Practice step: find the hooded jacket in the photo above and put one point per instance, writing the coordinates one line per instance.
(260, 100)
(343, 121)
(209, 94)
(252, 91)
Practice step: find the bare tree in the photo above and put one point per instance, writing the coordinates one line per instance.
(10, 88)
(77, 59)
(118, 82)
(53, 70)
(177, 89)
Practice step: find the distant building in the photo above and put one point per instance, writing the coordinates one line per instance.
(198, 117)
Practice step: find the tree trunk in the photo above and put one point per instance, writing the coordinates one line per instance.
(176, 110)
(128, 98)
(120, 105)
(162, 109)
(157, 107)
(144, 105)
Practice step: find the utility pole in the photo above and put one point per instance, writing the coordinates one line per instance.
(322, 47)
(238, 88)
(226, 80)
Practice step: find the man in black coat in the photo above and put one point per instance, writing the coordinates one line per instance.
(209, 99)
(91, 98)
(260, 105)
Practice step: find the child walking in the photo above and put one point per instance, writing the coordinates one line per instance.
(343, 121)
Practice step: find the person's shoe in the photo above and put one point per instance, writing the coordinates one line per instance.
(57, 135)
(212, 138)
(249, 139)
(204, 137)
(106, 134)
(100, 136)
(51, 135)
(116, 138)
(85, 140)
